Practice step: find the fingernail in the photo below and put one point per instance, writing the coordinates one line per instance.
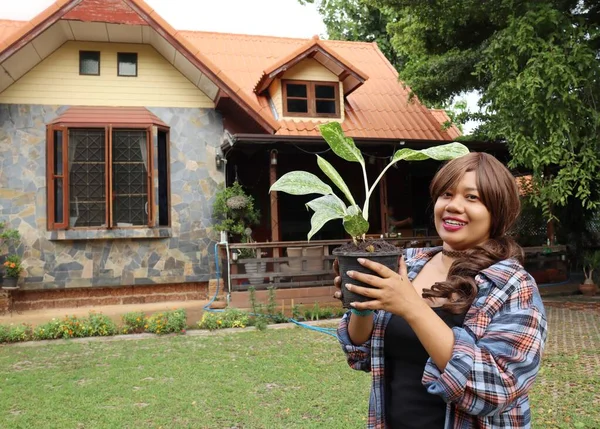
(361, 260)
(353, 304)
(348, 286)
(350, 273)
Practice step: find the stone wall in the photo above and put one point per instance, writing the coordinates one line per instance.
(184, 252)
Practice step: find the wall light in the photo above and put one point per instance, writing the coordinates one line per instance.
(218, 160)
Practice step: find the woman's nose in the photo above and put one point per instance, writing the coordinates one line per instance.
(455, 205)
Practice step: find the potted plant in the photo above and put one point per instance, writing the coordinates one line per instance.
(235, 211)
(354, 217)
(591, 262)
(8, 242)
(253, 267)
(12, 268)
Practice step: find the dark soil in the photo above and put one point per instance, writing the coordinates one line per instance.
(371, 246)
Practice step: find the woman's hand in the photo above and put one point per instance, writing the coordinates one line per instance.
(337, 281)
(392, 292)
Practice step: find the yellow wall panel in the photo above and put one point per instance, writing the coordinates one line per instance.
(56, 81)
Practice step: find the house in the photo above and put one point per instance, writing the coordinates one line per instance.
(117, 130)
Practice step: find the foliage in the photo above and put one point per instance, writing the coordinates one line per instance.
(134, 322)
(318, 313)
(357, 20)
(166, 322)
(591, 262)
(536, 67)
(235, 210)
(329, 206)
(15, 333)
(95, 325)
(8, 236)
(229, 318)
(13, 266)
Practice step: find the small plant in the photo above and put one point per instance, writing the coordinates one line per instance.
(13, 266)
(8, 236)
(329, 206)
(167, 322)
(134, 322)
(15, 333)
(591, 262)
(230, 318)
(235, 210)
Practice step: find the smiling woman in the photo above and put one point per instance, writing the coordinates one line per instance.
(454, 340)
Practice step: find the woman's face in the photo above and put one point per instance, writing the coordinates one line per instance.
(461, 219)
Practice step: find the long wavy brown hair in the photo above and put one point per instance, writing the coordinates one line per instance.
(499, 193)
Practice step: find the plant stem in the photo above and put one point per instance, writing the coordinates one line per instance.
(367, 195)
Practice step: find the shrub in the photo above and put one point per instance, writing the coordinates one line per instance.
(167, 322)
(230, 318)
(134, 322)
(95, 325)
(15, 333)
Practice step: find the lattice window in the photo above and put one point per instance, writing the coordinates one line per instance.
(87, 178)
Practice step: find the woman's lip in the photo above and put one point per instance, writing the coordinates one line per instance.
(451, 228)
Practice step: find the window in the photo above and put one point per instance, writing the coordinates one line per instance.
(127, 64)
(89, 63)
(103, 177)
(312, 99)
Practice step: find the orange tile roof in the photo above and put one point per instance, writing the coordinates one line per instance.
(109, 115)
(442, 117)
(379, 109)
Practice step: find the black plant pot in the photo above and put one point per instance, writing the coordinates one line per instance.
(348, 262)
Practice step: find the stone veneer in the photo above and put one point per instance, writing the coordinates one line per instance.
(183, 252)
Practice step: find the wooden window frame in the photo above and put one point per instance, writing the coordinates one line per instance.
(311, 98)
(99, 63)
(137, 64)
(51, 175)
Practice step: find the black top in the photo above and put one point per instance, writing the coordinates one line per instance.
(407, 402)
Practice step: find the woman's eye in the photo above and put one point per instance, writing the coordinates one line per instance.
(472, 197)
(446, 194)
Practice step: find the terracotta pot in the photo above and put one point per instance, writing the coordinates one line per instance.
(348, 261)
(588, 289)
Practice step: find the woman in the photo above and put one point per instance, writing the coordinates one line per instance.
(454, 340)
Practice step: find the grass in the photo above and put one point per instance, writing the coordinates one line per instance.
(280, 378)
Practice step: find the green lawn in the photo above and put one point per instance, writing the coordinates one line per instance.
(280, 378)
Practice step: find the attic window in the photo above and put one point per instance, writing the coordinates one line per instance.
(127, 64)
(89, 63)
(311, 99)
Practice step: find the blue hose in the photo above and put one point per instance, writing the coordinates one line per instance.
(328, 331)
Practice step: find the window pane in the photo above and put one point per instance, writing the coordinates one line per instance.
(163, 179)
(87, 173)
(324, 91)
(296, 90)
(89, 63)
(127, 64)
(130, 177)
(58, 153)
(325, 106)
(58, 201)
(297, 106)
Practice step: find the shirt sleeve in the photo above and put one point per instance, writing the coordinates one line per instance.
(358, 357)
(487, 374)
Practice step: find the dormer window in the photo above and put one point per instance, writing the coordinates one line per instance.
(311, 99)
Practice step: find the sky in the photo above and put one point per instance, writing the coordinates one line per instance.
(284, 18)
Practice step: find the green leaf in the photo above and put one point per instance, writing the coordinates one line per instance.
(439, 153)
(301, 183)
(341, 145)
(335, 177)
(356, 225)
(320, 218)
(329, 203)
(354, 210)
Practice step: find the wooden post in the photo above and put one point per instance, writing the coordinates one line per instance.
(275, 231)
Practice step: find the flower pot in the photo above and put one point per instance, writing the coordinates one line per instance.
(10, 283)
(588, 289)
(254, 268)
(348, 262)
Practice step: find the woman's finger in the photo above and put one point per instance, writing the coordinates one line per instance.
(369, 279)
(376, 267)
(337, 282)
(336, 267)
(364, 291)
(367, 305)
(403, 268)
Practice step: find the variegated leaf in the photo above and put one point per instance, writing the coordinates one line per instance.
(354, 210)
(301, 183)
(335, 177)
(439, 153)
(329, 203)
(341, 145)
(320, 218)
(356, 225)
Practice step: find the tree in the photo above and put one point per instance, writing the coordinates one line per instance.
(536, 65)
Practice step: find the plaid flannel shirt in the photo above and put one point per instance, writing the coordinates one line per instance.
(495, 357)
